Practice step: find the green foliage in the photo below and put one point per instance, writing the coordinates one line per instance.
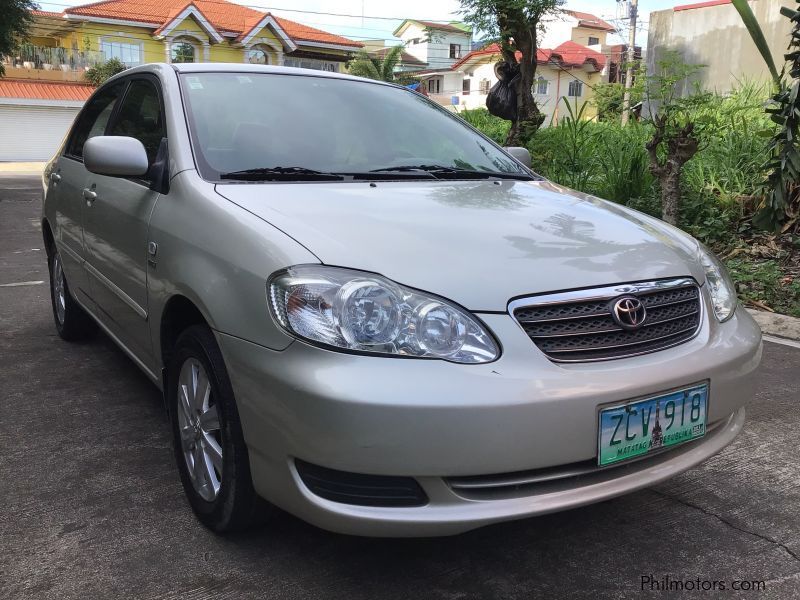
(14, 25)
(516, 26)
(608, 97)
(610, 161)
(482, 15)
(493, 127)
(182, 52)
(765, 282)
(98, 74)
(782, 185)
(603, 159)
(380, 69)
(750, 21)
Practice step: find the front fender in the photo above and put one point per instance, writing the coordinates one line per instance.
(218, 256)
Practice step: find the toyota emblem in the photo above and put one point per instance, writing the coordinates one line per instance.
(628, 312)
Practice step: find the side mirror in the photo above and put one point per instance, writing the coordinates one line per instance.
(521, 154)
(116, 156)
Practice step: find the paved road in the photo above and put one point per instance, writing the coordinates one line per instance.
(92, 505)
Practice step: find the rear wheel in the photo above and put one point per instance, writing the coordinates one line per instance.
(209, 445)
(72, 322)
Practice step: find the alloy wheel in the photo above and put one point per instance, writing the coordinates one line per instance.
(199, 428)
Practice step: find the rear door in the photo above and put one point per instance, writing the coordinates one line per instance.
(67, 181)
(116, 223)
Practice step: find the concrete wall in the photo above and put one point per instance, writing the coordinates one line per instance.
(716, 37)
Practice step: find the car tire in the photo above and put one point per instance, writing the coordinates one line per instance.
(72, 322)
(207, 436)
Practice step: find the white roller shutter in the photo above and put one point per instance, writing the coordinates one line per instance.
(33, 133)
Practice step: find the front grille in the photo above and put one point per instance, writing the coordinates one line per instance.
(578, 326)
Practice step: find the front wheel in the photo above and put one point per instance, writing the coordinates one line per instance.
(207, 435)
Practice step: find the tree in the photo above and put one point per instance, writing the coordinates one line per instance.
(14, 25)
(515, 25)
(780, 208)
(608, 97)
(182, 52)
(99, 73)
(677, 131)
(373, 67)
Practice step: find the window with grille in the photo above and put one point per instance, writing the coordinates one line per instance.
(575, 89)
(541, 86)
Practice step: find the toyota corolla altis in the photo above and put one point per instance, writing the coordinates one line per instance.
(361, 310)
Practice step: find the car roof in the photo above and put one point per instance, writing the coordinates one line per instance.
(217, 67)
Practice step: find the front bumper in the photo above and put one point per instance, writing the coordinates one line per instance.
(433, 420)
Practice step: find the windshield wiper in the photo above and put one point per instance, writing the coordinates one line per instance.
(443, 172)
(281, 174)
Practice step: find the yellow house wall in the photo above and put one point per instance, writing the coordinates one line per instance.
(153, 50)
(581, 35)
(89, 35)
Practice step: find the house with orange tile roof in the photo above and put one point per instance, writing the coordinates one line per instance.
(569, 71)
(47, 74)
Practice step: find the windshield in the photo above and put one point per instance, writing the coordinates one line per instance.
(277, 126)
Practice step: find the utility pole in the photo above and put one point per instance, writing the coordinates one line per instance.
(626, 101)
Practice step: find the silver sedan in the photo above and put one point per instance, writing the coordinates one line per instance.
(361, 310)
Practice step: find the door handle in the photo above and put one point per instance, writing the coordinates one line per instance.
(55, 177)
(89, 195)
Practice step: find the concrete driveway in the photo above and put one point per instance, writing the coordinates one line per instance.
(93, 508)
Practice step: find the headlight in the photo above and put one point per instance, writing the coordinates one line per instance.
(720, 286)
(368, 313)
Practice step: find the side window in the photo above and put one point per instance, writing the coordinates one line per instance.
(93, 119)
(140, 117)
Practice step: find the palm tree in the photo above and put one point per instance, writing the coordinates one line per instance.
(371, 67)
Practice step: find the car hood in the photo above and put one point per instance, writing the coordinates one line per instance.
(477, 243)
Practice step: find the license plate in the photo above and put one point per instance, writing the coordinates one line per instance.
(644, 426)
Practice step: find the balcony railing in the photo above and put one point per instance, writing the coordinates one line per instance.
(31, 57)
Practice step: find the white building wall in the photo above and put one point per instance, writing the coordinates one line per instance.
(557, 87)
(558, 29)
(435, 52)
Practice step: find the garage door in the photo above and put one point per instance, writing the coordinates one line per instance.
(33, 132)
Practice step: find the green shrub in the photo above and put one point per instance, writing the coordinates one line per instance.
(491, 126)
(99, 73)
(765, 282)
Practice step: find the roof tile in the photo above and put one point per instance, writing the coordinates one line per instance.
(41, 90)
(569, 54)
(224, 16)
(591, 21)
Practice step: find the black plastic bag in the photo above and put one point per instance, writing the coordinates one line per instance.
(502, 98)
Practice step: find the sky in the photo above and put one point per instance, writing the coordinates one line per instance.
(381, 18)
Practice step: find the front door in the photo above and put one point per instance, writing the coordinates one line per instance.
(116, 223)
(66, 185)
